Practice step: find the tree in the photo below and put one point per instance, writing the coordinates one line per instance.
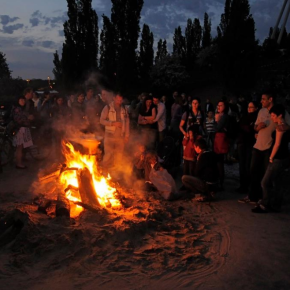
(107, 49)
(169, 74)
(178, 44)
(146, 52)
(125, 17)
(80, 49)
(237, 45)
(161, 50)
(5, 73)
(57, 70)
(206, 31)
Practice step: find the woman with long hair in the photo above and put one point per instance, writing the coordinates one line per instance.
(22, 138)
(221, 142)
(146, 115)
(193, 117)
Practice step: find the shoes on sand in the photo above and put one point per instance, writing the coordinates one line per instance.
(259, 209)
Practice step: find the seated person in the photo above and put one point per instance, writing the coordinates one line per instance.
(206, 172)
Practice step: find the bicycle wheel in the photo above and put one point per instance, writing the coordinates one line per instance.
(6, 151)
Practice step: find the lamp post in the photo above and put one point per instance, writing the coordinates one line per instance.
(28, 81)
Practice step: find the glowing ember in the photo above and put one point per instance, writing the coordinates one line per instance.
(105, 193)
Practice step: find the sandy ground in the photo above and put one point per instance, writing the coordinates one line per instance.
(149, 244)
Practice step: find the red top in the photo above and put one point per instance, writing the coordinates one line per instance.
(189, 152)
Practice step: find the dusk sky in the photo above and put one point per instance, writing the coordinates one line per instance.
(31, 30)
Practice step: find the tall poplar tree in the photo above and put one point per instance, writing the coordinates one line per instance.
(80, 49)
(107, 49)
(146, 52)
(238, 45)
(125, 17)
(161, 52)
(179, 44)
(206, 31)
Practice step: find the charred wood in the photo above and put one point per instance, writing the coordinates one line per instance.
(86, 188)
(62, 206)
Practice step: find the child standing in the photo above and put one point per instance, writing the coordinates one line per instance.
(210, 129)
(189, 154)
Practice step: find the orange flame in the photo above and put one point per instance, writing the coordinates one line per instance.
(105, 193)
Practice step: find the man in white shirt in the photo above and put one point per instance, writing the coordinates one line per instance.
(160, 118)
(262, 148)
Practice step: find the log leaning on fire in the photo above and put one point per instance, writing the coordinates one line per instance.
(62, 206)
(86, 188)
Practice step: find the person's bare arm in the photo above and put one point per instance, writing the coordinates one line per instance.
(276, 145)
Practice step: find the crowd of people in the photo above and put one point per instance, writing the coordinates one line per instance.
(205, 137)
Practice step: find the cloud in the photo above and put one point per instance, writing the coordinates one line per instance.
(5, 19)
(48, 44)
(11, 28)
(34, 21)
(61, 33)
(38, 18)
(28, 42)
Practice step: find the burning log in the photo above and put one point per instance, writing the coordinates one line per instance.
(62, 206)
(86, 188)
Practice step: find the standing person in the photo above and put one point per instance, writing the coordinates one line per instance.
(29, 105)
(23, 138)
(91, 109)
(209, 126)
(264, 126)
(160, 118)
(167, 108)
(185, 106)
(245, 142)
(60, 115)
(193, 117)
(147, 114)
(189, 154)
(221, 142)
(116, 120)
(71, 100)
(35, 100)
(208, 106)
(44, 106)
(278, 161)
(79, 111)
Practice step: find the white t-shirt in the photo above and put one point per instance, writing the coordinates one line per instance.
(264, 139)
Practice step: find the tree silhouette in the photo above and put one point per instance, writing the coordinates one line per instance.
(146, 53)
(80, 49)
(5, 73)
(161, 50)
(125, 17)
(206, 31)
(108, 49)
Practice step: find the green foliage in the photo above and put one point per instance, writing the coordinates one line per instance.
(80, 49)
(125, 17)
(168, 73)
(237, 45)
(178, 43)
(206, 31)
(161, 50)
(107, 49)
(146, 53)
(5, 73)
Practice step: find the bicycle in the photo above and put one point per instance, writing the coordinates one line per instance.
(40, 150)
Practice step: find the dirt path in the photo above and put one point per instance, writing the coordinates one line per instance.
(177, 245)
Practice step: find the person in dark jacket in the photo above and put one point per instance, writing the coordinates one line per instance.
(245, 142)
(206, 171)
